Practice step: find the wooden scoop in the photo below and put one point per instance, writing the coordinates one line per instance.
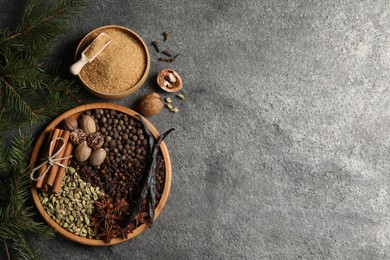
(91, 52)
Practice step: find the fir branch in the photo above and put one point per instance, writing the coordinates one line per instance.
(6, 250)
(34, 17)
(28, 89)
(24, 250)
(16, 99)
(15, 214)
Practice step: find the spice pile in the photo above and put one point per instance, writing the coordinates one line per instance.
(122, 187)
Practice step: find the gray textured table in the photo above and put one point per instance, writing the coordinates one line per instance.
(282, 146)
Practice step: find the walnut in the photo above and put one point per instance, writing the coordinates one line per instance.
(77, 136)
(169, 80)
(95, 140)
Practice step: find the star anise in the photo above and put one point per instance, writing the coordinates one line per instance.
(121, 207)
(94, 224)
(140, 218)
(103, 203)
(107, 216)
(107, 233)
(123, 232)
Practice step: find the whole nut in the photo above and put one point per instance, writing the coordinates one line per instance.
(87, 124)
(70, 123)
(150, 104)
(97, 157)
(82, 152)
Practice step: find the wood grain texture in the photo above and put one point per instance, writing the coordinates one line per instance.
(75, 113)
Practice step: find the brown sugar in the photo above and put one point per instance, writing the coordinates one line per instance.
(97, 46)
(119, 66)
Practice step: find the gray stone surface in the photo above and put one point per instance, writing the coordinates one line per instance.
(282, 146)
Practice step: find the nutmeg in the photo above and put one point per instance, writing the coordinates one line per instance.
(70, 123)
(77, 136)
(150, 104)
(95, 140)
(87, 124)
(82, 152)
(97, 157)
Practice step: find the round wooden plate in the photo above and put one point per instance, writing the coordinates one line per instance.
(75, 112)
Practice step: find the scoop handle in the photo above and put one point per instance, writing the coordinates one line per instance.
(76, 67)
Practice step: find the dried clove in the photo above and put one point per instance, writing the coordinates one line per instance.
(155, 45)
(174, 57)
(165, 35)
(167, 53)
(164, 59)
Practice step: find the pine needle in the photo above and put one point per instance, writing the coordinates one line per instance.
(30, 91)
(29, 86)
(24, 250)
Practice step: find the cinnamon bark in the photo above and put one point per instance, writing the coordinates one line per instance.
(61, 171)
(54, 169)
(54, 133)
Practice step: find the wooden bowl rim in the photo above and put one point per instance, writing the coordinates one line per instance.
(132, 89)
(58, 228)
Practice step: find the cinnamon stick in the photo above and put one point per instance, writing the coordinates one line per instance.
(53, 134)
(56, 145)
(54, 169)
(61, 171)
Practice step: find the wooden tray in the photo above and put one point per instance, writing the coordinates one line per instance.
(75, 112)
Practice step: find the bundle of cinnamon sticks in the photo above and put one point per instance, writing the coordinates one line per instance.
(52, 180)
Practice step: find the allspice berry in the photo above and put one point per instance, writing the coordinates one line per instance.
(150, 104)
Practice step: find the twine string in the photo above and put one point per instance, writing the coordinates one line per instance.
(51, 159)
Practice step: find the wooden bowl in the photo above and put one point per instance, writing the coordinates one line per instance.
(138, 64)
(75, 112)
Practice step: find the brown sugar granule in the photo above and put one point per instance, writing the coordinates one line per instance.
(119, 67)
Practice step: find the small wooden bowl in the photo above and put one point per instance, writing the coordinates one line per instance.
(142, 63)
(75, 112)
